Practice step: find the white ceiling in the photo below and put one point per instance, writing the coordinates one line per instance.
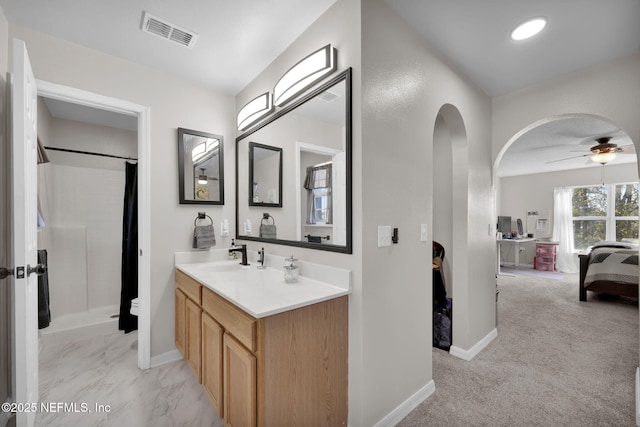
(238, 39)
(475, 36)
(560, 145)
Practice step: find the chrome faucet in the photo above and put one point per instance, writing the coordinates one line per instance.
(243, 250)
(261, 259)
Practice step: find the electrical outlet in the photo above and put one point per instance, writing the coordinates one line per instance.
(384, 235)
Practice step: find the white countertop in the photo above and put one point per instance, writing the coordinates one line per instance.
(264, 292)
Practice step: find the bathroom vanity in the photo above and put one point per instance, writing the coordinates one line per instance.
(267, 352)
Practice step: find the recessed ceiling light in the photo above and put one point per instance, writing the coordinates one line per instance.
(528, 29)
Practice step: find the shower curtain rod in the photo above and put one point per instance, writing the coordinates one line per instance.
(66, 150)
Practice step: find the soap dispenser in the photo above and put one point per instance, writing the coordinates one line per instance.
(291, 271)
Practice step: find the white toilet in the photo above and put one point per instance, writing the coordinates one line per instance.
(134, 307)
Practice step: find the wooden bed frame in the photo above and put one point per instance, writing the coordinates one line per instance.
(603, 286)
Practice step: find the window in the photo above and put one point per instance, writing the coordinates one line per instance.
(606, 212)
(318, 185)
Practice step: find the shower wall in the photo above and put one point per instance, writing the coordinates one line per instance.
(81, 198)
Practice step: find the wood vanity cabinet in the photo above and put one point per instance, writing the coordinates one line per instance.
(288, 369)
(188, 322)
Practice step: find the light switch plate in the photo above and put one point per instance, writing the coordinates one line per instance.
(384, 235)
(424, 233)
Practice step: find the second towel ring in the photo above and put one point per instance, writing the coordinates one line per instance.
(202, 215)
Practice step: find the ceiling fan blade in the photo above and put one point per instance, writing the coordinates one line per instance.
(629, 149)
(568, 158)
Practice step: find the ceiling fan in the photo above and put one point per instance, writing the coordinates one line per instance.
(603, 152)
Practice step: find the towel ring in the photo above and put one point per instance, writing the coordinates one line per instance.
(202, 215)
(266, 217)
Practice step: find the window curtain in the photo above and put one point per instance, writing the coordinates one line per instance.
(318, 177)
(129, 290)
(563, 230)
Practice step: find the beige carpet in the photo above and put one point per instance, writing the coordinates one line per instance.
(556, 362)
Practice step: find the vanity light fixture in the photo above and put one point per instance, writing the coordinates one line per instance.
(255, 110)
(202, 178)
(305, 74)
(528, 29)
(603, 158)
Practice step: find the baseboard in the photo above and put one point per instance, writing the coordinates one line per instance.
(395, 416)
(168, 357)
(638, 396)
(473, 351)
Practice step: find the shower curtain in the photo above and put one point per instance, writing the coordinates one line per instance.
(128, 322)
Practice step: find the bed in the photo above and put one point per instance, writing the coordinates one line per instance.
(610, 268)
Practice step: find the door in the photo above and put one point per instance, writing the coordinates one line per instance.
(25, 292)
(180, 323)
(212, 361)
(239, 384)
(193, 318)
(6, 258)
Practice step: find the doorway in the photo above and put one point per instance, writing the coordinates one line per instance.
(450, 212)
(141, 113)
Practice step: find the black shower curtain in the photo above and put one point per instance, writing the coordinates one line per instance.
(128, 322)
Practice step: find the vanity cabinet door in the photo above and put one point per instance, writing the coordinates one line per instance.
(194, 337)
(180, 323)
(239, 384)
(212, 334)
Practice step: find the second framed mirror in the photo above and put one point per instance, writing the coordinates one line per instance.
(265, 175)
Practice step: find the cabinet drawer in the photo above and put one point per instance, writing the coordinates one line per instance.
(235, 321)
(545, 266)
(546, 259)
(189, 286)
(545, 250)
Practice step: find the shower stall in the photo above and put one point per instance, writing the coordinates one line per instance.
(81, 197)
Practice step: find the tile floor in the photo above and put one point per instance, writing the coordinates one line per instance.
(102, 370)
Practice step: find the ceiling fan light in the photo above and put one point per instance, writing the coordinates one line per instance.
(603, 158)
(528, 29)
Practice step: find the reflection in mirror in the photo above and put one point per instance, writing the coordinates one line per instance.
(313, 138)
(265, 175)
(200, 167)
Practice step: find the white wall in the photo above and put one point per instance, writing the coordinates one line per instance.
(520, 194)
(405, 84)
(610, 90)
(173, 103)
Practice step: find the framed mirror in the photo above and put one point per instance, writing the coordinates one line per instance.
(265, 175)
(200, 167)
(312, 139)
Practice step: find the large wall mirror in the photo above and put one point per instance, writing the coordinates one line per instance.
(200, 167)
(312, 140)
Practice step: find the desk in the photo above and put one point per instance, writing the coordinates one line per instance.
(516, 243)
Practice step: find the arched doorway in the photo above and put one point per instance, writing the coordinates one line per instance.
(450, 209)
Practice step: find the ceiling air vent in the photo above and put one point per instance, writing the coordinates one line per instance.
(161, 28)
(328, 96)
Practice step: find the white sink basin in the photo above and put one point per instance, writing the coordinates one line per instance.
(219, 266)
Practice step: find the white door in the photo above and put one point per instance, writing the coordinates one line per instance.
(25, 295)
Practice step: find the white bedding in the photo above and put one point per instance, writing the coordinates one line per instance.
(613, 265)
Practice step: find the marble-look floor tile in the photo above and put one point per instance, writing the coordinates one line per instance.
(102, 370)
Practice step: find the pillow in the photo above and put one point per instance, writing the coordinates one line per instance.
(611, 244)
